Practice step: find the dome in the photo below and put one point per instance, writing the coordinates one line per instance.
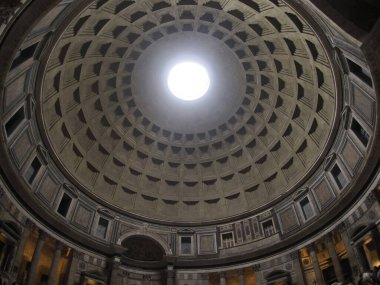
(115, 130)
(271, 177)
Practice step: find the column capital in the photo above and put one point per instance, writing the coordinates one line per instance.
(169, 267)
(343, 227)
(25, 233)
(42, 235)
(256, 267)
(311, 247)
(328, 238)
(116, 259)
(76, 253)
(146, 277)
(294, 255)
(30, 225)
(59, 245)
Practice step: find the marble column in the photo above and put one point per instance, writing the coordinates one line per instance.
(241, 277)
(317, 270)
(125, 278)
(53, 274)
(356, 267)
(146, 279)
(300, 279)
(334, 258)
(352, 259)
(362, 258)
(116, 274)
(35, 259)
(73, 268)
(260, 279)
(170, 275)
(222, 278)
(20, 249)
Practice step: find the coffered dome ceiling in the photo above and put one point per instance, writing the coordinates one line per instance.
(257, 135)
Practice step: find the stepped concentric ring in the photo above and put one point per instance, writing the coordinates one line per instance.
(107, 115)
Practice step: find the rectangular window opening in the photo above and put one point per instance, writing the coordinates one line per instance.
(307, 209)
(101, 230)
(33, 169)
(186, 245)
(24, 55)
(338, 176)
(360, 132)
(359, 72)
(15, 121)
(268, 228)
(227, 240)
(64, 205)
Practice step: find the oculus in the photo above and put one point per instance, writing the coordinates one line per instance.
(188, 81)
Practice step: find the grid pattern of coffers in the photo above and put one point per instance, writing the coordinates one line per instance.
(108, 145)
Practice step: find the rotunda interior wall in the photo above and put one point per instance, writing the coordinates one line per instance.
(350, 154)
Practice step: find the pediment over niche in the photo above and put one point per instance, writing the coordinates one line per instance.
(186, 231)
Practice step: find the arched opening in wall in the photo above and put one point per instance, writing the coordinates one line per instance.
(142, 248)
(358, 232)
(9, 238)
(12, 229)
(366, 240)
(278, 277)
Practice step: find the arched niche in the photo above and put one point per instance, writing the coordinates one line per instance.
(147, 234)
(278, 277)
(359, 231)
(142, 248)
(11, 229)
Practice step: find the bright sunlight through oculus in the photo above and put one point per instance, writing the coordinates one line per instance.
(188, 81)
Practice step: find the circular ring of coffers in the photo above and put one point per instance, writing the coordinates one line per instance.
(255, 140)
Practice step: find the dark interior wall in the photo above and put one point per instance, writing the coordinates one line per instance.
(363, 13)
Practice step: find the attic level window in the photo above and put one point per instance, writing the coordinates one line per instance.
(15, 121)
(227, 240)
(101, 230)
(32, 171)
(186, 247)
(64, 205)
(268, 228)
(24, 55)
(359, 72)
(339, 178)
(360, 132)
(307, 209)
